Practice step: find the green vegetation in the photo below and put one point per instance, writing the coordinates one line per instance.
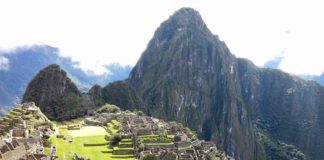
(119, 93)
(215, 158)
(108, 108)
(56, 95)
(158, 139)
(140, 113)
(122, 157)
(113, 127)
(155, 140)
(66, 149)
(278, 150)
(123, 149)
(16, 117)
(88, 142)
(115, 140)
(186, 147)
(149, 157)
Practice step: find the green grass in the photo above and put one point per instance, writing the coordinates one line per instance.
(65, 149)
(115, 122)
(119, 157)
(170, 136)
(187, 147)
(87, 131)
(123, 149)
(126, 140)
(112, 128)
(160, 144)
(149, 136)
(215, 158)
(155, 139)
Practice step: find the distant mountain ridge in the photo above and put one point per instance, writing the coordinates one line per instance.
(25, 62)
(275, 62)
(318, 79)
(60, 99)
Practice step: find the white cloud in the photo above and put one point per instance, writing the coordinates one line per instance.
(101, 32)
(4, 63)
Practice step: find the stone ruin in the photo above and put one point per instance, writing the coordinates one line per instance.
(182, 145)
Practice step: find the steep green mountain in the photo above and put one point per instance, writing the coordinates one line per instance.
(20, 65)
(187, 74)
(56, 95)
(119, 93)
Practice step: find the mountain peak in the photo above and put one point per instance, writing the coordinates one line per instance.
(53, 67)
(183, 22)
(186, 17)
(187, 12)
(55, 93)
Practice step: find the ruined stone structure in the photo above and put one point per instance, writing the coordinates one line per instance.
(166, 140)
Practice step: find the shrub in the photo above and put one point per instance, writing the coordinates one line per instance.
(108, 108)
(115, 140)
(149, 157)
(128, 111)
(46, 141)
(46, 136)
(140, 113)
(107, 138)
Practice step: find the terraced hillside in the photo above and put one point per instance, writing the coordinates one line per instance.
(25, 115)
(127, 136)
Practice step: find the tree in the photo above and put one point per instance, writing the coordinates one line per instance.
(115, 140)
(108, 108)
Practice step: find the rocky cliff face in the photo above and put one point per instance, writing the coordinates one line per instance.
(187, 74)
(56, 95)
(286, 107)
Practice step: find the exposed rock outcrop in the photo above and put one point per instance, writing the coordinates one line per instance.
(187, 74)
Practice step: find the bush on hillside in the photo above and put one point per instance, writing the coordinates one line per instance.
(140, 113)
(115, 140)
(149, 157)
(108, 108)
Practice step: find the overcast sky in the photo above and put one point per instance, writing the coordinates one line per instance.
(97, 32)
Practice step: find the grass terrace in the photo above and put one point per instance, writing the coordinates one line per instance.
(88, 141)
(156, 140)
(113, 127)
